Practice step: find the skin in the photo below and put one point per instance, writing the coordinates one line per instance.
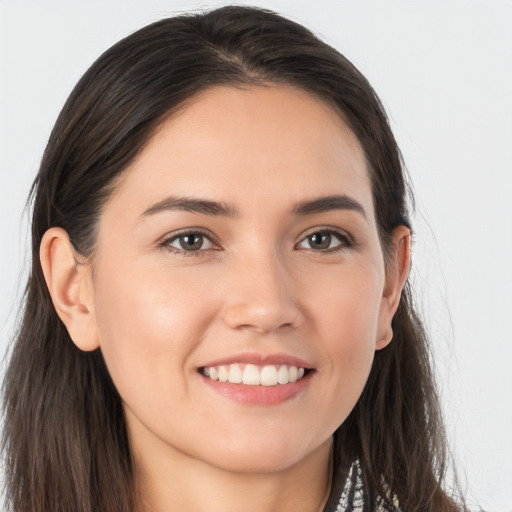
(256, 285)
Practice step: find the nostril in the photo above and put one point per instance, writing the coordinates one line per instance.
(261, 328)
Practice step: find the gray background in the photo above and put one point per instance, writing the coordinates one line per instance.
(443, 69)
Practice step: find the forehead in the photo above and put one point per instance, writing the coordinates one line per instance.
(274, 143)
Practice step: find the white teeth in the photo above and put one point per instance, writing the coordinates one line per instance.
(223, 374)
(235, 374)
(252, 375)
(269, 376)
(283, 375)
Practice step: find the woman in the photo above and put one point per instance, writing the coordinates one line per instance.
(218, 315)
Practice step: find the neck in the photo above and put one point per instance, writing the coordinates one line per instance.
(175, 481)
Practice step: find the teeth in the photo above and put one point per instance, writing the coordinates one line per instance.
(235, 374)
(223, 374)
(284, 375)
(269, 376)
(252, 375)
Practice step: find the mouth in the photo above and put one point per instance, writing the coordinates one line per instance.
(256, 379)
(255, 375)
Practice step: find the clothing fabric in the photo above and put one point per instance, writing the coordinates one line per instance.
(347, 494)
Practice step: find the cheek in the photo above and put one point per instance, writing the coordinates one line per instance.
(148, 324)
(348, 309)
(347, 318)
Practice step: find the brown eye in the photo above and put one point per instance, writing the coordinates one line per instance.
(325, 240)
(189, 242)
(320, 240)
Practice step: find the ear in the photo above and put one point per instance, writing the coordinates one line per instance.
(397, 270)
(70, 285)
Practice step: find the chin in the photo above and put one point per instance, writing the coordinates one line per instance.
(262, 457)
(250, 463)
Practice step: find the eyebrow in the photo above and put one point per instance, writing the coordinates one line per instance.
(329, 203)
(193, 205)
(216, 208)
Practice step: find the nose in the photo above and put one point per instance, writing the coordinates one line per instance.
(260, 296)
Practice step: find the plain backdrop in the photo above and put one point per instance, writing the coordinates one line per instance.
(443, 69)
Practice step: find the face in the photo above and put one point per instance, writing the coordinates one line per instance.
(239, 290)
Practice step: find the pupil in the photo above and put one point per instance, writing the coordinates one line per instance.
(320, 240)
(191, 242)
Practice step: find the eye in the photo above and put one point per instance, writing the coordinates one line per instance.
(326, 240)
(189, 242)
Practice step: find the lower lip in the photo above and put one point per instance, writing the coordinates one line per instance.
(259, 395)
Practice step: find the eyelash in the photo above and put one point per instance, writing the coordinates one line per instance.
(166, 243)
(345, 242)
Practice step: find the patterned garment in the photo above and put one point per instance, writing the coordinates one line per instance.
(352, 496)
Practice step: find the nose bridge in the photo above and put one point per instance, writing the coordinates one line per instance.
(260, 294)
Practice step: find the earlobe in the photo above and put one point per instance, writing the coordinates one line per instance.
(397, 270)
(69, 284)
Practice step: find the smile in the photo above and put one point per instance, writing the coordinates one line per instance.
(254, 375)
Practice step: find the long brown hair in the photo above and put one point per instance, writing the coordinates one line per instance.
(65, 441)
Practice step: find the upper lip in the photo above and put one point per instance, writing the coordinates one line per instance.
(261, 360)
